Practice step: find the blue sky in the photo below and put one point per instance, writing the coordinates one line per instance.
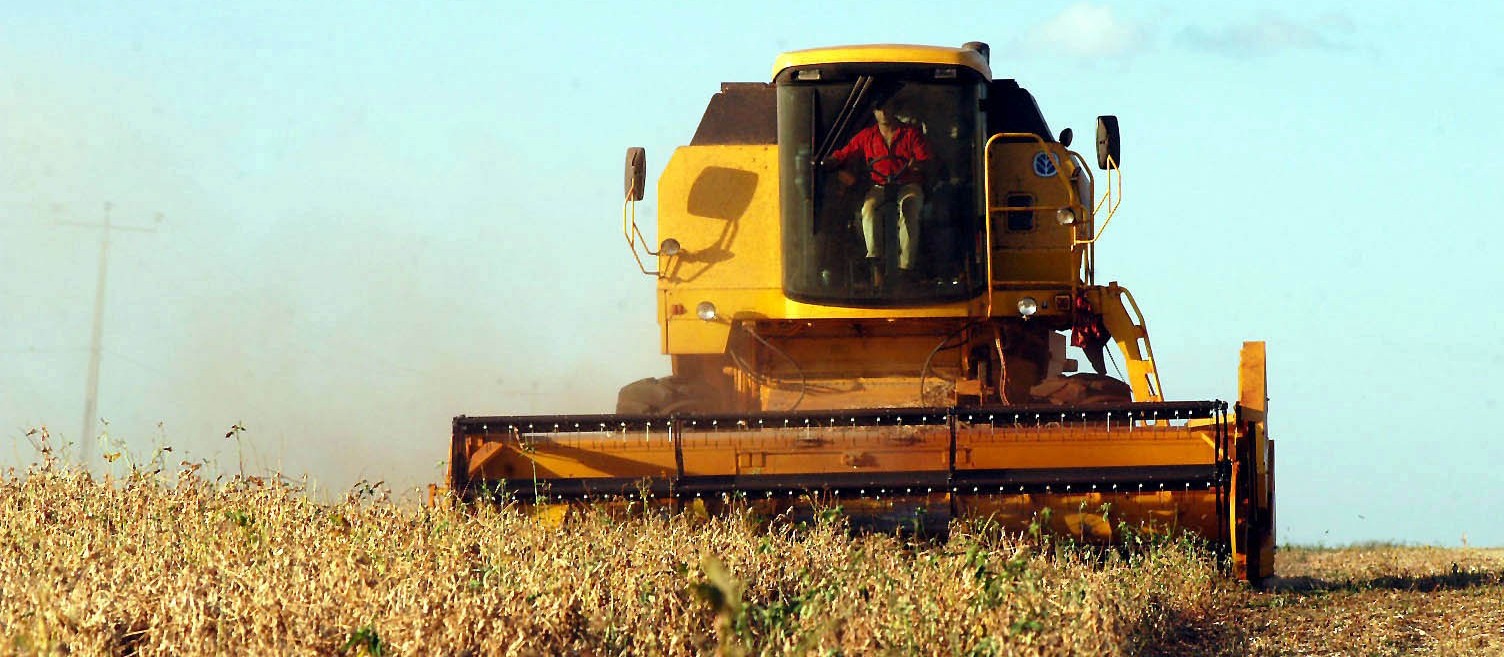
(375, 218)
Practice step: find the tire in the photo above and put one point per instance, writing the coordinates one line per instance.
(660, 396)
(1109, 144)
(1086, 388)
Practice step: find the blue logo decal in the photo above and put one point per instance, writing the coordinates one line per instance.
(1044, 164)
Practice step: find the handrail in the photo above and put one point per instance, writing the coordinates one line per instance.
(1089, 256)
(987, 217)
(1159, 390)
(1070, 191)
(1106, 197)
(629, 228)
(1064, 181)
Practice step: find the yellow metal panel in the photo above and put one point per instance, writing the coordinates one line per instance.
(1082, 454)
(814, 450)
(703, 457)
(1253, 400)
(1054, 266)
(1253, 392)
(884, 53)
(568, 461)
(717, 201)
(984, 447)
(808, 450)
(1132, 337)
(687, 329)
(688, 334)
(1047, 251)
(796, 310)
(720, 202)
(563, 456)
(1097, 517)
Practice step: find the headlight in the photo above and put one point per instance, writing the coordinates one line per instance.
(1027, 306)
(705, 311)
(670, 247)
(1065, 216)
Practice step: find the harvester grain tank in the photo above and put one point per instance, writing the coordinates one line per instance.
(868, 273)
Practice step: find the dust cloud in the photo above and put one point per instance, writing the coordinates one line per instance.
(341, 289)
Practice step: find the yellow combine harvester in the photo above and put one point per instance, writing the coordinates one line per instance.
(868, 273)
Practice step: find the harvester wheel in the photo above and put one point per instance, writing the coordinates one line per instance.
(660, 397)
(1084, 388)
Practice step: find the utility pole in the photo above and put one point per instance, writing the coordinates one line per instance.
(96, 336)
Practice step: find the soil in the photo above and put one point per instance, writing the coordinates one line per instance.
(1362, 600)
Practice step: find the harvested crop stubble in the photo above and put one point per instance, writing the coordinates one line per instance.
(1362, 600)
(149, 564)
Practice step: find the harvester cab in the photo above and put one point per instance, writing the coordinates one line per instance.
(868, 271)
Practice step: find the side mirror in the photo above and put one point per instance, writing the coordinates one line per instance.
(637, 172)
(1066, 136)
(1109, 147)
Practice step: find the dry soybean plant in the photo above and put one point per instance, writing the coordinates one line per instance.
(162, 563)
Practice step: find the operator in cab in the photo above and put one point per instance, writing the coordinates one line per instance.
(896, 157)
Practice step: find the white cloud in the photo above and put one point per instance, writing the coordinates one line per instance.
(1267, 35)
(1086, 30)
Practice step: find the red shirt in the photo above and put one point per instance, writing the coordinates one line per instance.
(885, 161)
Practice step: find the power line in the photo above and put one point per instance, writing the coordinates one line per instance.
(96, 335)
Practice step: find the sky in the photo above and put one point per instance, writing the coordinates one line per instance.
(362, 220)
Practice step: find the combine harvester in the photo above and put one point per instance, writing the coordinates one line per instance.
(868, 271)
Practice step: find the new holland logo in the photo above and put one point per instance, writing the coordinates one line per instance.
(1044, 164)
